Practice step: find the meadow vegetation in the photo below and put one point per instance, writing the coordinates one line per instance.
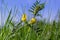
(32, 29)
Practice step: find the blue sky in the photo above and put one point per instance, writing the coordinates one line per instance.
(51, 8)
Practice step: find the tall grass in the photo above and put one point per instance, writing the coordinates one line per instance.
(39, 31)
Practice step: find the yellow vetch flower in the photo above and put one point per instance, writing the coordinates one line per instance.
(32, 21)
(24, 17)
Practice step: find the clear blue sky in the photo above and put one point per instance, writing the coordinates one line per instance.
(51, 7)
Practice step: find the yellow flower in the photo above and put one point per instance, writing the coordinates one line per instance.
(24, 17)
(32, 21)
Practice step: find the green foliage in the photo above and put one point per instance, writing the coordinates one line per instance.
(36, 7)
(39, 31)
